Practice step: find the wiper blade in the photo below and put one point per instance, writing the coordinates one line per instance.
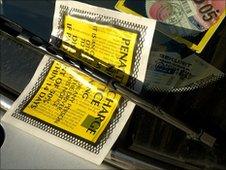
(25, 37)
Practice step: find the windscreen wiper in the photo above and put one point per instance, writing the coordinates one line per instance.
(25, 37)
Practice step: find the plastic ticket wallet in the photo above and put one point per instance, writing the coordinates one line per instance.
(71, 110)
(190, 22)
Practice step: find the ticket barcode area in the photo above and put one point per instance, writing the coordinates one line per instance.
(73, 102)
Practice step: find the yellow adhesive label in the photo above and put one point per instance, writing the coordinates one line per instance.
(74, 102)
(111, 45)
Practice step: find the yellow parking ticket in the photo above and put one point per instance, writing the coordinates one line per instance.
(73, 102)
(111, 45)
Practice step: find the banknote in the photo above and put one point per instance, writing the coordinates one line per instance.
(71, 110)
(196, 15)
